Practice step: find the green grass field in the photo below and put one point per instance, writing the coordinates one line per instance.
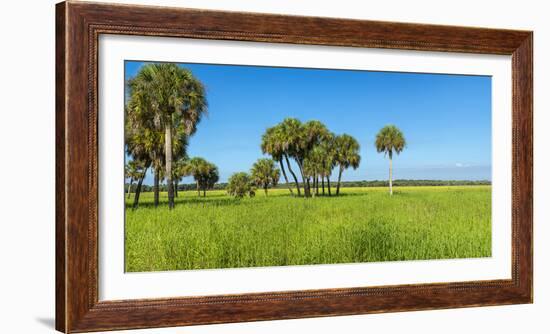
(362, 225)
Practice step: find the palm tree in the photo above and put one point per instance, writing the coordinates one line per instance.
(272, 145)
(265, 174)
(132, 171)
(142, 140)
(288, 137)
(193, 168)
(314, 166)
(388, 140)
(177, 100)
(205, 173)
(144, 136)
(157, 179)
(178, 172)
(137, 149)
(298, 139)
(347, 155)
(328, 152)
(309, 172)
(210, 177)
(314, 132)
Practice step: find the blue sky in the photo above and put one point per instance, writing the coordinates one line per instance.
(446, 119)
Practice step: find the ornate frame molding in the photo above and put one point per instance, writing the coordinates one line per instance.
(78, 27)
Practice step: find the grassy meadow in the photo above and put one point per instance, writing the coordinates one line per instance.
(361, 225)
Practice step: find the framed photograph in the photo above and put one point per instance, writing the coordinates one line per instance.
(223, 167)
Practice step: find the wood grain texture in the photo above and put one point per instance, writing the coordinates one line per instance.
(60, 226)
(78, 28)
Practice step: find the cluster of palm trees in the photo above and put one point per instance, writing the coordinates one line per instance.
(315, 150)
(205, 173)
(264, 174)
(165, 104)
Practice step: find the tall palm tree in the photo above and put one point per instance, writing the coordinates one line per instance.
(145, 138)
(314, 166)
(137, 149)
(265, 174)
(389, 140)
(299, 139)
(143, 141)
(288, 135)
(347, 155)
(177, 99)
(272, 145)
(314, 132)
(328, 152)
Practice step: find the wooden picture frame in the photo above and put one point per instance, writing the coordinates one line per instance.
(78, 26)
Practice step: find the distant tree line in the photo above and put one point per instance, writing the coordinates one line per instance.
(346, 184)
(413, 183)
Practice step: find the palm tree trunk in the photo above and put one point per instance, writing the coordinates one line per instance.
(339, 179)
(328, 185)
(156, 186)
(317, 184)
(198, 189)
(293, 175)
(391, 191)
(265, 190)
(304, 180)
(176, 188)
(286, 178)
(323, 184)
(204, 192)
(130, 187)
(138, 187)
(138, 191)
(168, 154)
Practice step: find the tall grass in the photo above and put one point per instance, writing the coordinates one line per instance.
(361, 225)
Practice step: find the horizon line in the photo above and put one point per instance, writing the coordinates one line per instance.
(358, 181)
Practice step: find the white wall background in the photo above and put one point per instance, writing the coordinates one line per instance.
(27, 165)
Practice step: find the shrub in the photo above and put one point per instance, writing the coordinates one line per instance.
(240, 185)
